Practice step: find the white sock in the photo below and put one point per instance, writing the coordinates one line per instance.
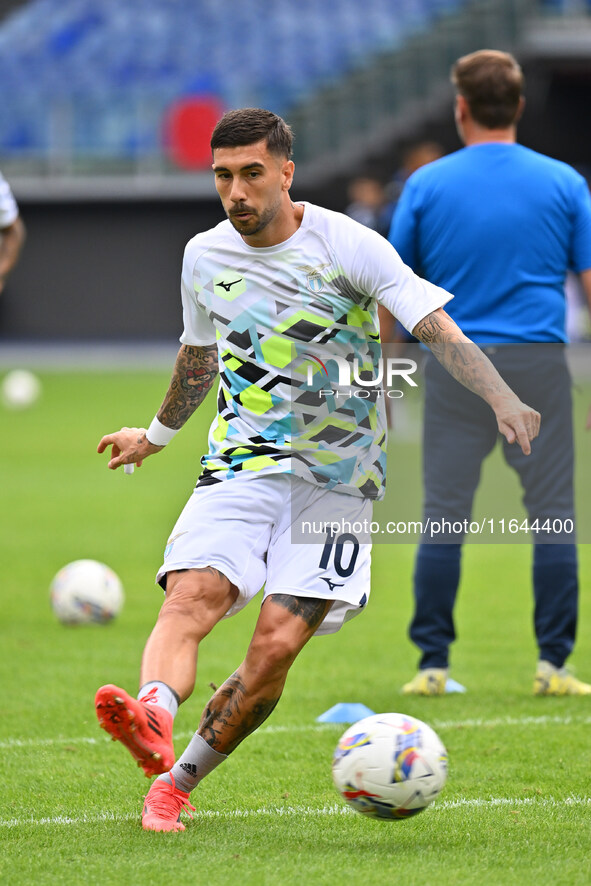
(161, 695)
(197, 761)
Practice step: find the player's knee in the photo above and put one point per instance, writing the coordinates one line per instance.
(197, 600)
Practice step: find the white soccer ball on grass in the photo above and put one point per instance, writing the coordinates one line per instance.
(86, 591)
(389, 766)
(20, 389)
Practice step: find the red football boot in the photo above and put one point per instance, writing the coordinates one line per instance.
(145, 729)
(163, 806)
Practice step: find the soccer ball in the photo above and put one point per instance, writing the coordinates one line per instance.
(389, 766)
(86, 591)
(20, 389)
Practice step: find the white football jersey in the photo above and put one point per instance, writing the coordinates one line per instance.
(286, 318)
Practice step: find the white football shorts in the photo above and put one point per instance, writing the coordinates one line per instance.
(244, 527)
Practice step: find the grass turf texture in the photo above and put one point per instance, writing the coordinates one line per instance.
(517, 803)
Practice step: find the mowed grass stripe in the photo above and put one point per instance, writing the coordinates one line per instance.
(480, 723)
(335, 809)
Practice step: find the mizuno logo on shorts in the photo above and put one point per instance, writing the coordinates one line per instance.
(331, 584)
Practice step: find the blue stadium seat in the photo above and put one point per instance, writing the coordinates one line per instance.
(106, 59)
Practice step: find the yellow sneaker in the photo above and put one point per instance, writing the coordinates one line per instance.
(428, 681)
(551, 680)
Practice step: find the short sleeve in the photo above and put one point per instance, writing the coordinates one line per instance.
(378, 270)
(198, 329)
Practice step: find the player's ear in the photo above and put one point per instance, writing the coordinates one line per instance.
(461, 108)
(287, 172)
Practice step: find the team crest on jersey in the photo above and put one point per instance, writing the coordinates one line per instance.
(315, 283)
(314, 279)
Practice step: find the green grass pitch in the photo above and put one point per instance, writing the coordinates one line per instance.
(517, 806)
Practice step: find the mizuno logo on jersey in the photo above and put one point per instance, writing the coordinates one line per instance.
(228, 286)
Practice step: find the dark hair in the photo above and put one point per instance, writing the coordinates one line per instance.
(246, 126)
(492, 84)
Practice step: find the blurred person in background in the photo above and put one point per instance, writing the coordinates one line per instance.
(369, 204)
(498, 225)
(12, 232)
(415, 156)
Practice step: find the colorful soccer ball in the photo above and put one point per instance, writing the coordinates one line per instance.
(86, 591)
(389, 766)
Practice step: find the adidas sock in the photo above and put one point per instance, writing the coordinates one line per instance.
(197, 761)
(160, 694)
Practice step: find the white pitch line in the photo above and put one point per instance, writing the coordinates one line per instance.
(480, 803)
(17, 743)
(334, 809)
(543, 720)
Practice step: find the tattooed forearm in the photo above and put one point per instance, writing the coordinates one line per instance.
(310, 609)
(194, 374)
(461, 357)
(231, 715)
(467, 364)
(437, 327)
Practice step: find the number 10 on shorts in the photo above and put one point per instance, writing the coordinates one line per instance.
(344, 547)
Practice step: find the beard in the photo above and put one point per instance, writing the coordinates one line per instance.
(257, 222)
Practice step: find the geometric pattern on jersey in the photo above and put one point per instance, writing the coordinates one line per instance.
(263, 373)
(275, 313)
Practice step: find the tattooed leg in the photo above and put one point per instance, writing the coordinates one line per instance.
(312, 611)
(231, 715)
(247, 698)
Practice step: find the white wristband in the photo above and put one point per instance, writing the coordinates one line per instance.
(158, 434)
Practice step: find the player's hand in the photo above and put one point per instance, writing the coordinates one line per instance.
(518, 422)
(129, 446)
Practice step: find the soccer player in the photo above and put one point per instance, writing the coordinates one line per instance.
(12, 232)
(275, 289)
(498, 225)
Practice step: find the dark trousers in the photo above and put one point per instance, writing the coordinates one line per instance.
(460, 430)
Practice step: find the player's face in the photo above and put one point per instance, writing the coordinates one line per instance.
(253, 185)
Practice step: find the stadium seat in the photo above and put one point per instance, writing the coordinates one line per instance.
(106, 61)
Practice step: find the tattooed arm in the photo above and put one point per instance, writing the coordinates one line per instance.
(194, 374)
(465, 361)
